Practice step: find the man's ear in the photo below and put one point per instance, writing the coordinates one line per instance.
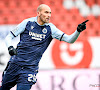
(38, 13)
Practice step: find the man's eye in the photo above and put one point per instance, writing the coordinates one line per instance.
(46, 12)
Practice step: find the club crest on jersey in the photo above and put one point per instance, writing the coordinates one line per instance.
(44, 30)
(32, 27)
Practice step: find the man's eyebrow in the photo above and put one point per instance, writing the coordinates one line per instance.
(48, 11)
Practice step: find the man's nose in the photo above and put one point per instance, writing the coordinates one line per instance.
(49, 15)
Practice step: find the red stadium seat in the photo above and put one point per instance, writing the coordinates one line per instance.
(98, 2)
(5, 11)
(90, 2)
(12, 4)
(4, 20)
(2, 4)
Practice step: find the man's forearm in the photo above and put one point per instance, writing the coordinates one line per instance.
(8, 39)
(71, 38)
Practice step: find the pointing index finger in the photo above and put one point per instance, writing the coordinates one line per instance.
(85, 21)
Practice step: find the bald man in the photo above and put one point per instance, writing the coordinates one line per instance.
(36, 33)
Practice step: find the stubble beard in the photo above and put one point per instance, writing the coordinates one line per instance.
(44, 21)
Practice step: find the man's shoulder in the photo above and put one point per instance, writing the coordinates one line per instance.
(25, 21)
(30, 19)
(51, 25)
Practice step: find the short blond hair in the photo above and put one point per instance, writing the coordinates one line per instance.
(40, 7)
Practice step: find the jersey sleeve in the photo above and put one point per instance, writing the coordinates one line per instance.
(71, 38)
(56, 33)
(15, 32)
(19, 28)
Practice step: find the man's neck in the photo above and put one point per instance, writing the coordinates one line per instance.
(39, 21)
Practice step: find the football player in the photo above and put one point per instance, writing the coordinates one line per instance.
(36, 33)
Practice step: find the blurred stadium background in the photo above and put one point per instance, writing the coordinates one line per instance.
(63, 66)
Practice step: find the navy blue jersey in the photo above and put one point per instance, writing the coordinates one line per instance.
(34, 40)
